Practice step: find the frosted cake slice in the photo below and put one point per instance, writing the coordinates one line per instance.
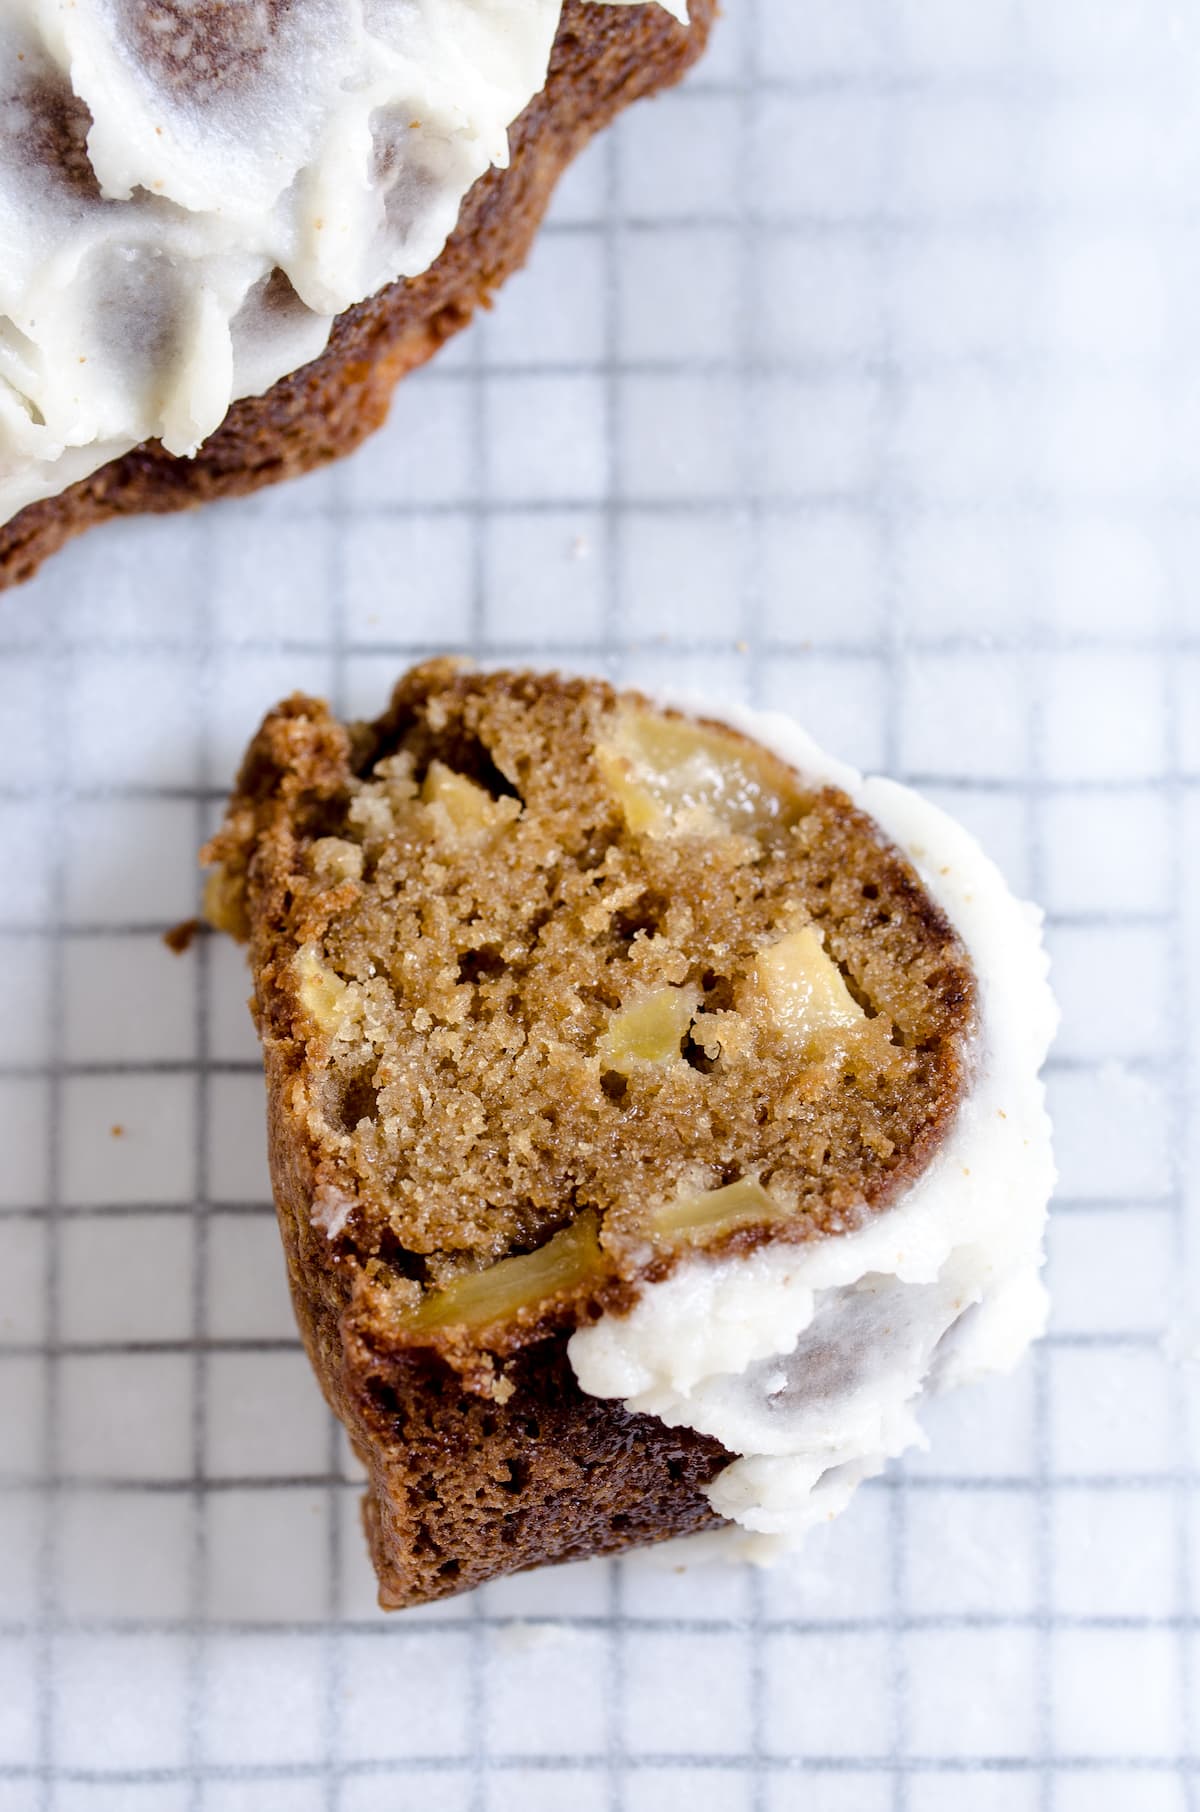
(654, 1111)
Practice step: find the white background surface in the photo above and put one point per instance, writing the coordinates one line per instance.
(859, 378)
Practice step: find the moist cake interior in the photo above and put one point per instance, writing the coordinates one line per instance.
(559, 960)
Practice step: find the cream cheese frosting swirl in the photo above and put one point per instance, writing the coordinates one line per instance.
(191, 190)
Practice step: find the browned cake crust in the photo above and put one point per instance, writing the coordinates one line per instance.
(339, 864)
(604, 57)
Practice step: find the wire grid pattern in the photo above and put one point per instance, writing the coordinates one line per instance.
(856, 377)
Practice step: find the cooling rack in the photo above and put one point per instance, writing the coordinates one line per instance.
(856, 377)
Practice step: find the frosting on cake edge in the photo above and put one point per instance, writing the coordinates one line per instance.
(807, 1361)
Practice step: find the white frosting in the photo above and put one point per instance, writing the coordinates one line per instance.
(807, 1360)
(191, 190)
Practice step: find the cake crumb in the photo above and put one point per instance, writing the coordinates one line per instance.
(180, 938)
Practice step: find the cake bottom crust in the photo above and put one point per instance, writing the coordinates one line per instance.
(604, 57)
(460, 1494)
(461, 1489)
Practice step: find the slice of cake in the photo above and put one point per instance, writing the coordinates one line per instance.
(654, 1110)
(229, 228)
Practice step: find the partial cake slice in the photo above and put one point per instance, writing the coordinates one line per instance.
(271, 192)
(653, 1110)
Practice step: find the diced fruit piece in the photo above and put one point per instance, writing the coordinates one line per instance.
(803, 986)
(717, 1210)
(650, 1031)
(671, 775)
(224, 904)
(496, 1294)
(644, 813)
(336, 859)
(322, 993)
(466, 812)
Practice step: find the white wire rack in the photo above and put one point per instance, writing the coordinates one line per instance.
(857, 377)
